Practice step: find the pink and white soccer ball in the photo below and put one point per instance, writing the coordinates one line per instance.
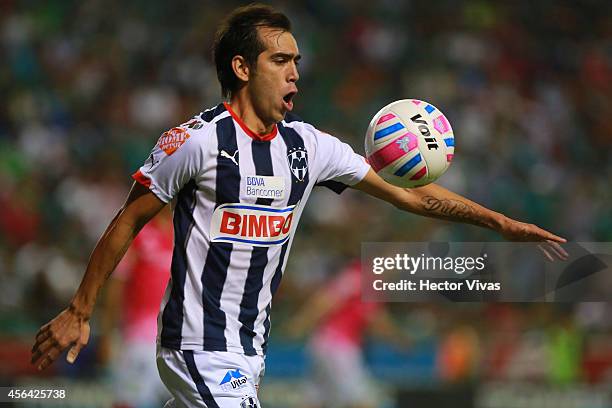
(410, 143)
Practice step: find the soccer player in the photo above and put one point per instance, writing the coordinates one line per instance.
(337, 320)
(240, 174)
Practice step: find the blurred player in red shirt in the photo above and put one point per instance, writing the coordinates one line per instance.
(339, 320)
(132, 304)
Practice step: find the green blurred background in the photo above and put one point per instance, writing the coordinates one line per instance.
(88, 86)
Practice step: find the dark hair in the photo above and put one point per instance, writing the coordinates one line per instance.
(237, 35)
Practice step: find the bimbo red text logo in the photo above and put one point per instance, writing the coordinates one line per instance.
(253, 224)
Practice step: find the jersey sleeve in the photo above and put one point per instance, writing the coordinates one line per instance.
(176, 158)
(338, 162)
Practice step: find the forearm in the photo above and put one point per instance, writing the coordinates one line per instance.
(432, 201)
(108, 252)
(141, 205)
(71, 327)
(437, 202)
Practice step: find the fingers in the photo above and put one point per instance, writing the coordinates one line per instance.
(66, 330)
(43, 332)
(46, 353)
(552, 246)
(520, 231)
(532, 231)
(42, 349)
(558, 250)
(552, 237)
(49, 358)
(40, 338)
(552, 250)
(549, 236)
(545, 252)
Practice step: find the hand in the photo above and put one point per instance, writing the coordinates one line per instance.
(68, 329)
(519, 231)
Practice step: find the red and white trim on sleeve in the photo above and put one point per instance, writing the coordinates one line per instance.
(142, 179)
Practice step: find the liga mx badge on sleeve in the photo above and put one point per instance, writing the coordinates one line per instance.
(298, 162)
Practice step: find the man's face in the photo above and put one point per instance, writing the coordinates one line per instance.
(271, 84)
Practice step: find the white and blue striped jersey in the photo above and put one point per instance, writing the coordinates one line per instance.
(239, 198)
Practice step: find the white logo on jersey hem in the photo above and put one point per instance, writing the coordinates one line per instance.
(225, 154)
(264, 186)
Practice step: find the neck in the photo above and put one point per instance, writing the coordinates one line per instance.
(243, 107)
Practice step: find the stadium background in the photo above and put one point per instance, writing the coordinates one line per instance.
(87, 87)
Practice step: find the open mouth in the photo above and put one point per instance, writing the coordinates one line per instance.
(288, 99)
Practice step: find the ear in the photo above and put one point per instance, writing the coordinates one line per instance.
(241, 68)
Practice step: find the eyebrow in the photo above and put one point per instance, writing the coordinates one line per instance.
(284, 55)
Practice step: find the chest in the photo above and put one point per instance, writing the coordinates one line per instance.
(272, 173)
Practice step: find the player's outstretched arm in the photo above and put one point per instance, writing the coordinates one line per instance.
(436, 201)
(71, 327)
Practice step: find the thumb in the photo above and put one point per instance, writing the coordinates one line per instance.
(82, 342)
(73, 353)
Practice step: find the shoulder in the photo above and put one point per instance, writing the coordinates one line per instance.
(206, 121)
(212, 115)
(304, 129)
(200, 127)
(315, 139)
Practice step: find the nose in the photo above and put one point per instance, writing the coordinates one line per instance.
(294, 75)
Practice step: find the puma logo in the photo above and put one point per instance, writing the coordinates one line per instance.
(153, 161)
(225, 154)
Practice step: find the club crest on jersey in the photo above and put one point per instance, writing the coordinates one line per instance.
(298, 162)
(253, 224)
(172, 139)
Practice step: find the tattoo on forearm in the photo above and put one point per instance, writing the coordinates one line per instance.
(453, 209)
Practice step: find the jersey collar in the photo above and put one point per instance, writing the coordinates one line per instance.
(253, 135)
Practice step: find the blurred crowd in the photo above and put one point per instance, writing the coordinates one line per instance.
(88, 86)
